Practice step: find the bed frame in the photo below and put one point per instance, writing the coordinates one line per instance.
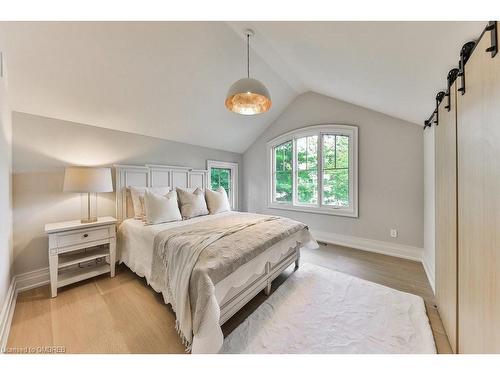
(154, 175)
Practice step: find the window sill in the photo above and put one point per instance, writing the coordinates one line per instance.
(315, 210)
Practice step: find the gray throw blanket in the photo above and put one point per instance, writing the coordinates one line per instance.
(191, 259)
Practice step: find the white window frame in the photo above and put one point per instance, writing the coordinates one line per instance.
(319, 130)
(233, 196)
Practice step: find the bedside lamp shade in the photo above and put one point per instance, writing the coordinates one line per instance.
(87, 180)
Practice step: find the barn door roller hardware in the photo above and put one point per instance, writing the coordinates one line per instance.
(428, 122)
(465, 53)
(452, 76)
(439, 98)
(492, 28)
(434, 117)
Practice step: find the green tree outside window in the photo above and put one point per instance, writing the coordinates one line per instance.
(283, 155)
(221, 177)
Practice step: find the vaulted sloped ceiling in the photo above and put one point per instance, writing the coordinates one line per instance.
(392, 67)
(169, 79)
(162, 79)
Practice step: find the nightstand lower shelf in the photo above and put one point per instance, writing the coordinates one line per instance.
(66, 260)
(79, 274)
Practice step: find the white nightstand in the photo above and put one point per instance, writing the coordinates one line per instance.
(66, 242)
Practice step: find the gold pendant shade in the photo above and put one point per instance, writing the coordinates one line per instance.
(248, 96)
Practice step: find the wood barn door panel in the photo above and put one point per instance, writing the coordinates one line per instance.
(478, 130)
(446, 216)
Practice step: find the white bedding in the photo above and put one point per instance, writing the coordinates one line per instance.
(135, 249)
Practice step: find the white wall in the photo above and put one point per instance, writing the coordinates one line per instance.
(390, 171)
(42, 147)
(428, 258)
(5, 189)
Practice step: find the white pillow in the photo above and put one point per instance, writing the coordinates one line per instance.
(192, 204)
(217, 201)
(137, 193)
(161, 208)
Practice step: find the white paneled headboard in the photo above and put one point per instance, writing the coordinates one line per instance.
(152, 175)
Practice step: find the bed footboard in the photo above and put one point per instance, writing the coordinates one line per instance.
(233, 305)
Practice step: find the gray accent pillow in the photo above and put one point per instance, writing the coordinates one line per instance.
(192, 204)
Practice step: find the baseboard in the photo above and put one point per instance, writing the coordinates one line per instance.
(32, 279)
(380, 247)
(375, 246)
(7, 313)
(429, 271)
(19, 283)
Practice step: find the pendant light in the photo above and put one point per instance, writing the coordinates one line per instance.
(248, 96)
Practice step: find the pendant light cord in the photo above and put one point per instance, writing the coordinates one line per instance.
(248, 55)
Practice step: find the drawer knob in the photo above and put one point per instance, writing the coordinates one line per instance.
(85, 235)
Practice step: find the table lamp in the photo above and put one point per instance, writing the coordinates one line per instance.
(88, 181)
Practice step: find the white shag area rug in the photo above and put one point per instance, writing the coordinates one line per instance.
(317, 310)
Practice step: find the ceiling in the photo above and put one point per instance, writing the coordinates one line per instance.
(169, 79)
(392, 67)
(162, 79)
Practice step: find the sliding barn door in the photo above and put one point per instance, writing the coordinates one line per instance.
(446, 216)
(478, 129)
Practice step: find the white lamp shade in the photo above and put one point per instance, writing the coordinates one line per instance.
(87, 180)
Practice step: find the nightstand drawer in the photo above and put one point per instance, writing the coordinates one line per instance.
(72, 238)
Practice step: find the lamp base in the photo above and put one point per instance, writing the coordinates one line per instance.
(89, 208)
(88, 220)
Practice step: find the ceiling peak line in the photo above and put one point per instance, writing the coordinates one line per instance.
(270, 56)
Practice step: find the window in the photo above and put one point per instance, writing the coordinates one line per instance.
(224, 174)
(314, 169)
(283, 172)
(307, 170)
(221, 177)
(335, 170)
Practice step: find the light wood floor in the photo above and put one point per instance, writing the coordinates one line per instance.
(124, 315)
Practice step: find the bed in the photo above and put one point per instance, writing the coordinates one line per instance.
(138, 251)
